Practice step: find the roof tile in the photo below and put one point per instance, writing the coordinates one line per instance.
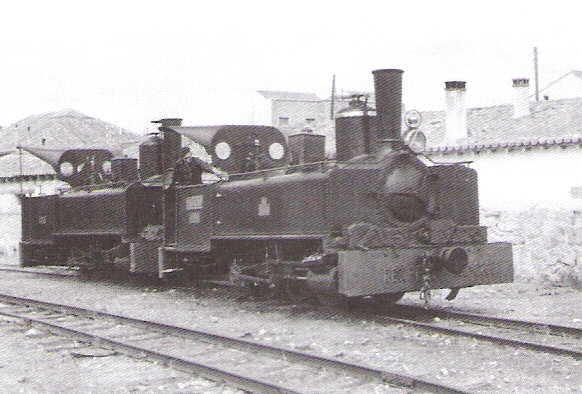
(550, 122)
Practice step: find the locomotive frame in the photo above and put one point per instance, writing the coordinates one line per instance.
(377, 224)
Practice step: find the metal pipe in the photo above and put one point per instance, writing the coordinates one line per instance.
(332, 109)
(388, 87)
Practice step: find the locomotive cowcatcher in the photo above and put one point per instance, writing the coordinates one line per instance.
(272, 213)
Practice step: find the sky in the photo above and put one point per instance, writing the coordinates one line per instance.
(129, 62)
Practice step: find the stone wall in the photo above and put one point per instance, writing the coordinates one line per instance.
(547, 241)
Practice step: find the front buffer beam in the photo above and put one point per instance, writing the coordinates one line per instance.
(391, 270)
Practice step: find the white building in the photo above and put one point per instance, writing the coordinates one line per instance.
(522, 152)
(293, 112)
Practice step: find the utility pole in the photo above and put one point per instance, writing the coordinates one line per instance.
(536, 74)
(332, 109)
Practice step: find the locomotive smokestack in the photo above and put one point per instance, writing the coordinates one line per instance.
(167, 122)
(388, 86)
(172, 141)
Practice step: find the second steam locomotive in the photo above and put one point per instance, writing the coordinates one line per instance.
(271, 212)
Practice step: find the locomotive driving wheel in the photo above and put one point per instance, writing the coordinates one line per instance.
(324, 288)
(294, 291)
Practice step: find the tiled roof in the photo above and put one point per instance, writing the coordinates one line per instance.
(551, 122)
(66, 128)
(63, 129)
(291, 96)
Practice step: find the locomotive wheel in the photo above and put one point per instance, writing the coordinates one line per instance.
(326, 300)
(324, 288)
(293, 291)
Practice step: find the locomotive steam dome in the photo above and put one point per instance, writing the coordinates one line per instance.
(354, 130)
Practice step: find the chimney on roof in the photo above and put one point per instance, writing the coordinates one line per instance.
(456, 110)
(520, 97)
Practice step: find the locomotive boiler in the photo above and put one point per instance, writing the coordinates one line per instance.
(272, 214)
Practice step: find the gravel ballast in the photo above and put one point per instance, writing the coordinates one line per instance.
(462, 362)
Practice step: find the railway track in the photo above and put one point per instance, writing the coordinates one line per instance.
(47, 271)
(542, 337)
(248, 365)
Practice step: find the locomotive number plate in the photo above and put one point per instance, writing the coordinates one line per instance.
(194, 202)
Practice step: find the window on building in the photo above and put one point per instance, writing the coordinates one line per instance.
(310, 121)
(283, 121)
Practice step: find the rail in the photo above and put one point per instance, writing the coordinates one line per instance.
(318, 364)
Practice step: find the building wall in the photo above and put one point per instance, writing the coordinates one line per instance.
(524, 176)
(298, 112)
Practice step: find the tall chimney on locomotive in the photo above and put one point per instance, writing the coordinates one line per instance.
(172, 141)
(388, 87)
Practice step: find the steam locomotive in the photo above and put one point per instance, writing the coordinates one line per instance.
(272, 213)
